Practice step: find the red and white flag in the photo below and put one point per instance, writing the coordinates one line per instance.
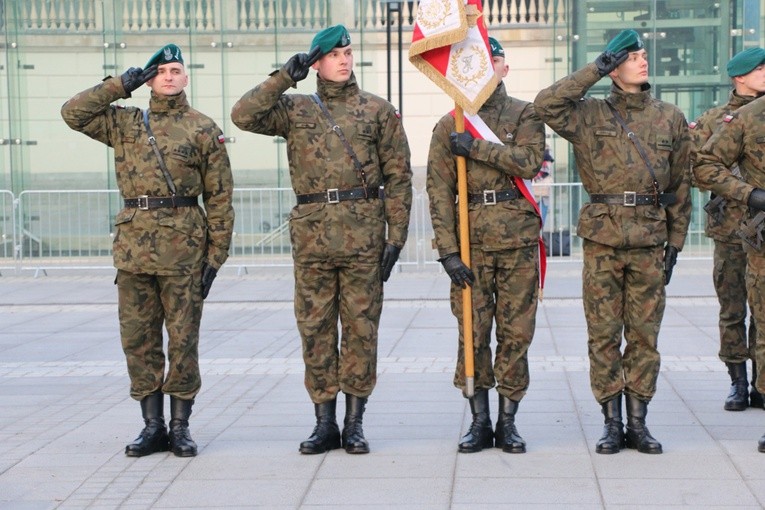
(450, 46)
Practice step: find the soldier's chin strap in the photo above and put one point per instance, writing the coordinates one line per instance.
(158, 153)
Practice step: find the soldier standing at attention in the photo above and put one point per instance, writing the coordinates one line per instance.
(632, 228)
(167, 249)
(738, 141)
(343, 144)
(504, 251)
(747, 74)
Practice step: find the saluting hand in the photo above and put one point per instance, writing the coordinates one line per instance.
(608, 61)
(299, 64)
(135, 77)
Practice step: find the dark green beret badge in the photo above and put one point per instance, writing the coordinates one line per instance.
(336, 36)
(496, 48)
(625, 40)
(745, 61)
(165, 55)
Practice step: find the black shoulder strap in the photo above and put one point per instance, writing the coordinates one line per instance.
(348, 148)
(639, 148)
(158, 153)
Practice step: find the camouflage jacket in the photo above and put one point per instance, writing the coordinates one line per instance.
(318, 161)
(163, 241)
(608, 162)
(721, 227)
(739, 140)
(491, 166)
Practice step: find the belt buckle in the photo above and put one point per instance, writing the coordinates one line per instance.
(143, 202)
(333, 196)
(489, 197)
(630, 199)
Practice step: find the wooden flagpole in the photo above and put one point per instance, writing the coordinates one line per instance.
(467, 296)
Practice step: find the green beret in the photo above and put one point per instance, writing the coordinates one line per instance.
(496, 48)
(625, 40)
(166, 54)
(332, 37)
(745, 61)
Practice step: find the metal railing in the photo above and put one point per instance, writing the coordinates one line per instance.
(209, 16)
(74, 229)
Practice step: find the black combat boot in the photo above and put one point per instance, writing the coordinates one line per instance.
(480, 435)
(755, 397)
(153, 438)
(637, 435)
(738, 398)
(326, 433)
(353, 434)
(506, 435)
(181, 443)
(613, 430)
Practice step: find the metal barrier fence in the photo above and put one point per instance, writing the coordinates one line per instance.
(73, 229)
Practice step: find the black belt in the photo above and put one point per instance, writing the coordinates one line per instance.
(631, 199)
(491, 197)
(333, 196)
(145, 202)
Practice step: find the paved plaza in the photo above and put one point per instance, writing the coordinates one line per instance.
(65, 413)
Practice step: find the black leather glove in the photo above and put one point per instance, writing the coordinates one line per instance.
(389, 258)
(135, 77)
(208, 275)
(297, 66)
(608, 61)
(757, 199)
(461, 143)
(459, 273)
(670, 259)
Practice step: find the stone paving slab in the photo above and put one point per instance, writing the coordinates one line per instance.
(65, 415)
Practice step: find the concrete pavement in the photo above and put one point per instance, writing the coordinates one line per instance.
(65, 413)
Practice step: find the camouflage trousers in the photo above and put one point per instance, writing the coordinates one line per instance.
(755, 287)
(623, 292)
(729, 278)
(505, 291)
(351, 291)
(145, 303)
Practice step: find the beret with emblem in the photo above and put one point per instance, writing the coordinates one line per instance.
(496, 48)
(336, 36)
(165, 55)
(745, 61)
(625, 40)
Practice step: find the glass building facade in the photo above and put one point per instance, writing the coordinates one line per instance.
(52, 49)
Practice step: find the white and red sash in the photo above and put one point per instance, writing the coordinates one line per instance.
(478, 128)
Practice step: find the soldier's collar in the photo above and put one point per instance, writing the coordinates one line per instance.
(168, 103)
(329, 89)
(635, 101)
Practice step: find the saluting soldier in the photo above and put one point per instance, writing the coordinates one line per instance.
(343, 144)
(167, 249)
(632, 228)
(747, 74)
(738, 141)
(504, 251)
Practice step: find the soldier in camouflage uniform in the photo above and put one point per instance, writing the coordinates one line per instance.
(632, 228)
(738, 141)
(747, 74)
(167, 249)
(504, 251)
(338, 227)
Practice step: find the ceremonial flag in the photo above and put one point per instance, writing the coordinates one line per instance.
(450, 46)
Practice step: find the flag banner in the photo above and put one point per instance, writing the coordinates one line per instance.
(475, 125)
(450, 46)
